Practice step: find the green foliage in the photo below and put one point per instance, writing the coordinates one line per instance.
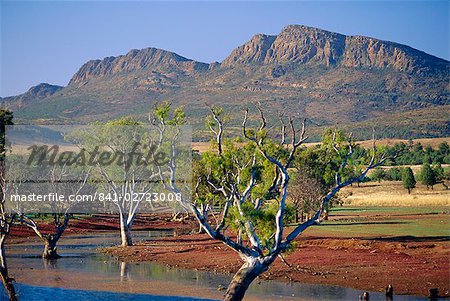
(438, 172)
(164, 112)
(323, 161)
(394, 174)
(263, 219)
(123, 121)
(378, 174)
(6, 118)
(413, 154)
(446, 173)
(427, 176)
(409, 182)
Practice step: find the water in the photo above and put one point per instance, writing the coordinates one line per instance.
(86, 275)
(41, 293)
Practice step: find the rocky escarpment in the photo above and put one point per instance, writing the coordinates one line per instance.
(296, 44)
(302, 44)
(136, 60)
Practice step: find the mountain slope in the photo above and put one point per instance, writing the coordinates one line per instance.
(330, 78)
(37, 92)
(135, 60)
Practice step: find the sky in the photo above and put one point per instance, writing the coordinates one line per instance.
(49, 41)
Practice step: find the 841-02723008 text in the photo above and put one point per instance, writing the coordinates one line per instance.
(102, 197)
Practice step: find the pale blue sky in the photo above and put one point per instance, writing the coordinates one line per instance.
(49, 41)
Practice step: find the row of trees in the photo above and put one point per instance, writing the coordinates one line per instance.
(415, 153)
(246, 185)
(428, 175)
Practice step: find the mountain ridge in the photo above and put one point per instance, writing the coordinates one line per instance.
(296, 43)
(302, 44)
(327, 77)
(135, 60)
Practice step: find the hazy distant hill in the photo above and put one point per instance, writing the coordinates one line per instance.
(352, 81)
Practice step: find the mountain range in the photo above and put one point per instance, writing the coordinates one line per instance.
(353, 82)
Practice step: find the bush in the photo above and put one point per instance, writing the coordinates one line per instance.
(378, 174)
(394, 174)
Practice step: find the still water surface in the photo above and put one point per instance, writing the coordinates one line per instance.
(95, 277)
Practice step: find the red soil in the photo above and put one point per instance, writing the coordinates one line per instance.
(103, 223)
(411, 267)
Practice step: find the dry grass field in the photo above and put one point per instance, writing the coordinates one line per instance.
(433, 142)
(384, 194)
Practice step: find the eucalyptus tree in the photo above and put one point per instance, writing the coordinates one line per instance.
(116, 180)
(37, 175)
(66, 180)
(6, 222)
(130, 161)
(251, 181)
(6, 217)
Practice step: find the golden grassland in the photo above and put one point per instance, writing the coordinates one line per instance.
(433, 142)
(389, 193)
(205, 146)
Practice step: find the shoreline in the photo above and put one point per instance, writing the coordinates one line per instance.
(345, 262)
(365, 263)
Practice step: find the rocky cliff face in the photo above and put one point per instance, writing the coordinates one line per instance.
(302, 44)
(254, 51)
(135, 60)
(295, 44)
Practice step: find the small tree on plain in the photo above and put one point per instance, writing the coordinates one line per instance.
(427, 176)
(409, 182)
(306, 195)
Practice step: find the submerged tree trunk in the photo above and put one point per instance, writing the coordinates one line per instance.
(125, 232)
(6, 280)
(50, 240)
(124, 271)
(50, 249)
(243, 278)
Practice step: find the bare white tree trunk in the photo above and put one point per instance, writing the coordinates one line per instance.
(125, 234)
(125, 231)
(6, 280)
(243, 278)
(204, 209)
(124, 271)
